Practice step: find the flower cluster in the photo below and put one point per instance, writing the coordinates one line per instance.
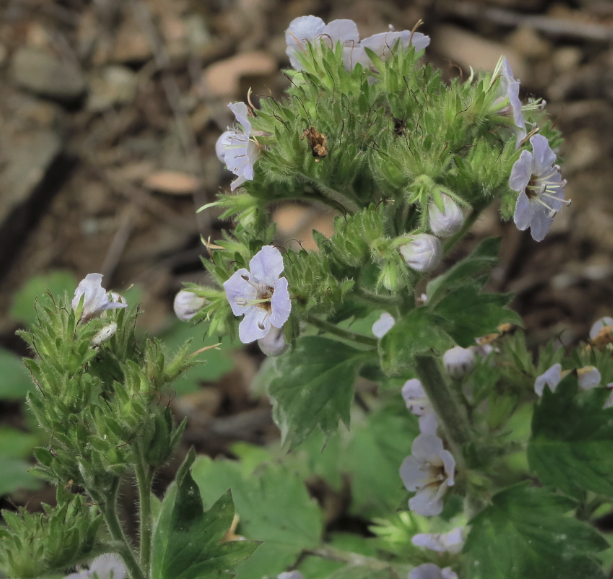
(588, 376)
(303, 32)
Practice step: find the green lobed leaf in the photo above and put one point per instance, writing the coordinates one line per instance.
(417, 332)
(273, 506)
(572, 439)
(314, 387)
(186, 538)
(474, 314)
(524, 533)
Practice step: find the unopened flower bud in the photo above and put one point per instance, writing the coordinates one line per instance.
(448, 221)
(423, 253)
(458, 362)
(187, 305)
(273, 343)
(103, 335)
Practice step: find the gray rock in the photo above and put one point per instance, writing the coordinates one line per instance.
(46, 75)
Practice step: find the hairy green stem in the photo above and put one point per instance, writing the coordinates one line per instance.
(385, 301)
(455, 239)
(334, 195)
(340, 332)
(445, 402)
(109, 511)
(144, 478)
(351, 559)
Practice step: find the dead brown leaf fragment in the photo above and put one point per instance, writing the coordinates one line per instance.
(317, 142)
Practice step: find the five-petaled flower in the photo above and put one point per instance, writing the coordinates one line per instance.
(432, 571)
(260, 294)
(418, 404)
(540, 187)
(305, 30)
(430, 472)
(95, 298)
(236, 149)
(104, 567)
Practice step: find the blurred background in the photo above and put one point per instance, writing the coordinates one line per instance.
(109, 114)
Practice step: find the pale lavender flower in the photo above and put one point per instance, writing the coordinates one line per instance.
(260, 294)
(305, 30)
(236, 149)
(510, 101)
(540, 187)
(448, 221)
(432, 571)
(598, 325)
(95, 298)
(108, 566)
(273, 343)
(450, 542)
(422, 253)
(382, 45)
(430, 472)
(458, 362)
(588, 378)
(383, 325)
(187, 304)
(550, 377)
(291, 575)
(418, 404)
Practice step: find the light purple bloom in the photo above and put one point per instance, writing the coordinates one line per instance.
(187, 304)
(307, 29)
(108, 566)
(448, 221)
(512, 107)
(540, 187)
(598, 325)
(236, 149)
(609, 401)
(260, 294)
(458, 362)
(95, 298)
(383, 325)
(432, 571)
(588, 377)
(418, 404)
(382, 45)
(422, 253)
(450, 542)
(429, 471)
(273, 343)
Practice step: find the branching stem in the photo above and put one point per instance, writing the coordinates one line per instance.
(341, 332)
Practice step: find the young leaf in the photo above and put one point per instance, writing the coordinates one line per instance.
(524, 533)
(419, 331)
(474, 314)
(314, 387)
(273, 506)
(572, 439)
(186, 541)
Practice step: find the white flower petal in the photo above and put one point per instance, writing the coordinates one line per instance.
(383, 325)
(521, 172)
(267, 265)
(345, 31)
(544, 157)
(240, 288)
(550, 377)
(412, 473)
(426, 571)
(281, 304)
(254, 326)
(427, 502)
(524, 212)
(415, 397)
(589, 377)
(428, 423)
(428, 448)
(241, 112)
(599, 324)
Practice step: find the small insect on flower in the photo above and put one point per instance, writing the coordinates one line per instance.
(317, 142)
